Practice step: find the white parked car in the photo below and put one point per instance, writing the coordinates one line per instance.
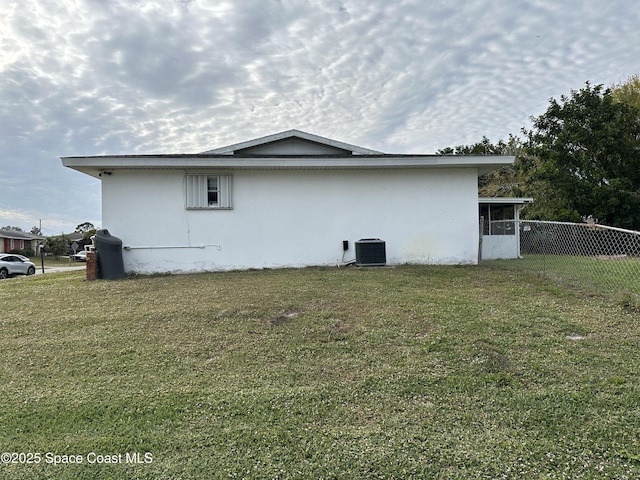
(11, 264)
(81, 256)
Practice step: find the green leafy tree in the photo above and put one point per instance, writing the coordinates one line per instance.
(583, 158)
(628, 91)
(506, 181)
(87, 229)
(57, 245)
(36, 230)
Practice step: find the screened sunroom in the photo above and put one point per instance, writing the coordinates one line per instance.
(499, 220)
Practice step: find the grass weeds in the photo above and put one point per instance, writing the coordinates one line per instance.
(406, 372)
(614, 277)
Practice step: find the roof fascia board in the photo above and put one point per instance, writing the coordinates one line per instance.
(299, 162)
(95, 166)
(505, 200)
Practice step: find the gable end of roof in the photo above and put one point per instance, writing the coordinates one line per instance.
(251, 146)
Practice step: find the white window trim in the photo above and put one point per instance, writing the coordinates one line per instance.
(196, 191)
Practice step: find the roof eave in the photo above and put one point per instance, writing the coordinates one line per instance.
(506, 200)
(95, 166)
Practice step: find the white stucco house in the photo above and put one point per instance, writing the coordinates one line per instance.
(291, 199)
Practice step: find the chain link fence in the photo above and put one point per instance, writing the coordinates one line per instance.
(595, 258)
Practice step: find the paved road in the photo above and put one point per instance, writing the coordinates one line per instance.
(57, 269)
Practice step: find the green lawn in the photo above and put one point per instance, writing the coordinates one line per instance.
(613, 277)
(407, 372)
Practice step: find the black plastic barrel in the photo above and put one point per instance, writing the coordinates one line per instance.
(109, 249)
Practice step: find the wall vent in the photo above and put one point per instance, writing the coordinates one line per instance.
(371, 252)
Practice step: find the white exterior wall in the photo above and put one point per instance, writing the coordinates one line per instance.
(500, 246)
(293, 218)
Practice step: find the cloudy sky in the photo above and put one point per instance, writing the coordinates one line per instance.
(92, 77)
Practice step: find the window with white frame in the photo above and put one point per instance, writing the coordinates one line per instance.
(207, 191)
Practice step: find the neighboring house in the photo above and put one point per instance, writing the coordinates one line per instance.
(500, 226)
(17, 240)
(292, 199)
(72, 238)
(77, 240)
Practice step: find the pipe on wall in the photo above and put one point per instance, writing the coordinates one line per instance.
(158, 247)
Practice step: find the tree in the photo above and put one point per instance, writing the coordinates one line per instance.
(85, 227)
(36, 230)
(506, 181)
(9, 227)
(628, 91)
(57, 245)
(584, 159)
